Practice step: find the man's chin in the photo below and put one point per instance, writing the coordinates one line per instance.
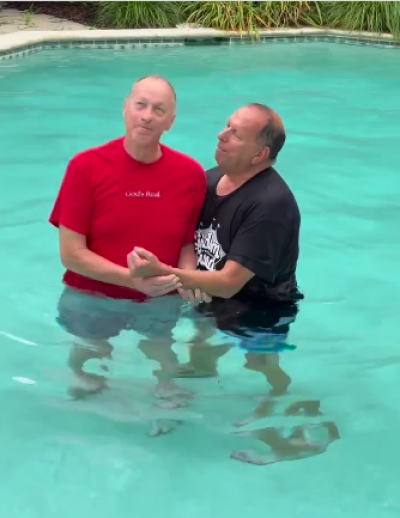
(145, 137)
(219, 158)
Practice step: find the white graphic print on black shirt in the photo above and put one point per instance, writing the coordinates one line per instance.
(208, 248)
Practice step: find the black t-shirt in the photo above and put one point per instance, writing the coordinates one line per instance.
(257, 226)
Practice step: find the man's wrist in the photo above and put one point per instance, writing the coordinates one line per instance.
(185, 277)
(127, 281)
(136, 284)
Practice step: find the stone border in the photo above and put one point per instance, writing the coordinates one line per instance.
(21, 44)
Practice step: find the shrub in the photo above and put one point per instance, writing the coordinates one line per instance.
(252, 16)
(290, 14)
(227, 16)
(137, 15)
(377, 17)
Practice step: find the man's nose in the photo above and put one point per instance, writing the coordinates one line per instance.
(223, 135)
(147, 114)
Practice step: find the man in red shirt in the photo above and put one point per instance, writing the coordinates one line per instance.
(132, 191)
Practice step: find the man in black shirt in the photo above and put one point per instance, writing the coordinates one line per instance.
(247, 242)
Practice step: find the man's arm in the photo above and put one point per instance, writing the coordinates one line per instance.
(188, 262)
(75, 256)
(72, 214)
(78, 258)
(187, 258)
(256, 250)
(224, 283)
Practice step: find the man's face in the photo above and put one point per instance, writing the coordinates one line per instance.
(238, 148)
(149, 111)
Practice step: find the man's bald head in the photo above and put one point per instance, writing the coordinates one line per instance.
(156, 77)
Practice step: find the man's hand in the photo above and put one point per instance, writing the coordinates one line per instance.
(142, 263)
(157, 286)
(194, 295)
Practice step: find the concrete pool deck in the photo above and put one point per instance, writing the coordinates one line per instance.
(22, 33)
(13, 20)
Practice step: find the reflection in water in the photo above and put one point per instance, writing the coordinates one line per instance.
(281, 428)
(289, 442)
(262, 331)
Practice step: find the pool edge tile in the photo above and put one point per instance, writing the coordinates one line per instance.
(15, 45)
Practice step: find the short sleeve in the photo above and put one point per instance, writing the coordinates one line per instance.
(258, 246)
(73, 205)
(198, 200)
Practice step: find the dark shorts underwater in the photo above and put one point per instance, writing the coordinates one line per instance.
(260, 327)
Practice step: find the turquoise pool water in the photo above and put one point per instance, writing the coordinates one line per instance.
(93, 458)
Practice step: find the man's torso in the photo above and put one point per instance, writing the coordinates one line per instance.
(222, 217)
(134, 204)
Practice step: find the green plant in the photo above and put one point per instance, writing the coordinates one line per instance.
(289, 14)
(227, 16)
(380, 17)
(252, 16)
(28, 15)
(135, 15)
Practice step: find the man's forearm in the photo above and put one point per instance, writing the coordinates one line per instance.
(214, 283)
(187, 259)
(87, 263)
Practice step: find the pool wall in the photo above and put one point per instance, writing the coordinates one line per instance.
(23, 43)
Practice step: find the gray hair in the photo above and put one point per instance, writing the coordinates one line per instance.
(272, 135)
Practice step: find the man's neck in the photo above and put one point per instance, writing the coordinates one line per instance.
(143, 154)
(232, 180)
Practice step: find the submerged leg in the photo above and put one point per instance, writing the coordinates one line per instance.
(160, 350)
(203, 357)
(81, 352)
(268, 365)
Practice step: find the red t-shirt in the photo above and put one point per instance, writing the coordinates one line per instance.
(119, 203)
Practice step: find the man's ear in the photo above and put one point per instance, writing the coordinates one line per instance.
(262, 155)
(172, 121)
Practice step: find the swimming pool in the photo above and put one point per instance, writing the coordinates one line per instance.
(93, 458)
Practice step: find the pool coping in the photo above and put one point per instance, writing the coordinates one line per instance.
(22, 43)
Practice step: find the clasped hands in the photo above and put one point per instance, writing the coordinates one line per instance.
(158, 278)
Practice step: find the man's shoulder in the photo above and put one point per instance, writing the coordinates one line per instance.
(272, 191)
(108, 150)
(214, 171)
(267, 197)
(213, 175)
(183, 160)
